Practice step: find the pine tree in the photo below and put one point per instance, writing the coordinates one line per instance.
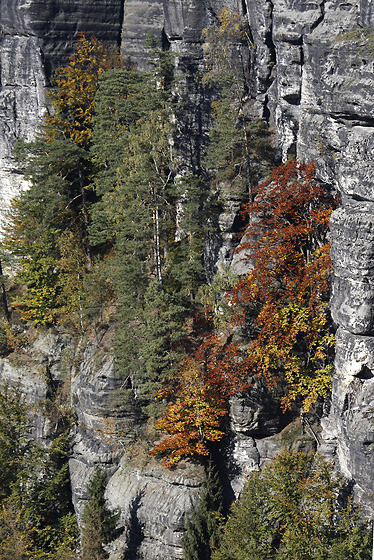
(186, 253)
(19, 455)
(202, 527)
(162, 350)
(99, 523)
(118, 106)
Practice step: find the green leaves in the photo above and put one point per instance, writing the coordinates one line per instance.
(202, 526)
(292, 510)
(36, 516)
(59, 166)
(99, 523)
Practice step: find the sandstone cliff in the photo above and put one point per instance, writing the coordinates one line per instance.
(311, 77)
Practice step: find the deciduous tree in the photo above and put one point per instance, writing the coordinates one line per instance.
(285, 294)
(198, 400)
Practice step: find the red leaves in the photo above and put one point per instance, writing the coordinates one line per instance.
(288, 288)
(286, 293)
(205, 380)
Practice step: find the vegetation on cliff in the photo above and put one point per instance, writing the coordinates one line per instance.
(37, 521)
(294, 509)
(114, 221)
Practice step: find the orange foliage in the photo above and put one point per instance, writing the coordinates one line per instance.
(287, 290)
(75, 89)
(199, 400)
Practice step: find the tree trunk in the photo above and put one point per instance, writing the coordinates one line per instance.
(85, 217)
(3, 295)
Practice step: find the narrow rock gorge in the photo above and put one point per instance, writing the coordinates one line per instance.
(311, 80)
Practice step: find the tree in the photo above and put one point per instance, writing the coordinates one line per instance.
(99, 522)
(294, 510)
(239, 148)
(18, 454)
(15, 538)
(133, 219)
(198, 400)
(36, 515)
(186, 271)
(202, 525)
(284, 297)
(59, 167)
(118, 106)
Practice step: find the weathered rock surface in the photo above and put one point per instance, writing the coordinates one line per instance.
(154, 502)
(312, 79)
(37, 371)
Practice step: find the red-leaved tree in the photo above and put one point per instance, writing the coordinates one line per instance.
(286, 292)
(198, 400)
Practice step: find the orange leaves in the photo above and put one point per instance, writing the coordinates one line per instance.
(76, 86)
(203, 384)
(288, 288)
(284, 296)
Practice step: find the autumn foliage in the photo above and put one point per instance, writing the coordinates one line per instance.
(286, 292)
(198, 404)
(280, 306)
(75, 88)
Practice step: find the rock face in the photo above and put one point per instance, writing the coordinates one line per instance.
(153, 501)
(311, 76)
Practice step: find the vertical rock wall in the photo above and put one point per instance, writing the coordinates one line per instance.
(312, 79)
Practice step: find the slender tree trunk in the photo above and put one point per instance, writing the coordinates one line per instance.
(85, 217)
(246, 144)
(156, 226)
(3, 295)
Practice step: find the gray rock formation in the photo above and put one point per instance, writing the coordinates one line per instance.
(312, 79)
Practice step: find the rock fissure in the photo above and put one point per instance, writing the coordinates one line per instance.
(321, 17)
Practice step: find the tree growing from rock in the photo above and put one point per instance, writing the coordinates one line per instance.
(198, 400)
(202, 526)
(99, 523)
(284, 297)
(59, 167)
(294, 509)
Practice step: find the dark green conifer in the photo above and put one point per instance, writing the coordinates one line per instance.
(99, 523)
(293, 510)
(203, 525)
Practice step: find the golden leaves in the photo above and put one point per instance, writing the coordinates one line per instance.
(288, 288)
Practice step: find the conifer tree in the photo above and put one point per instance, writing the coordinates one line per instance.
(293, 510)
(118, 106)
(135, 216)
(186, 253)
(99, 522)
(239, 150)
(36, 512)
(202, 527)
(59, 167)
